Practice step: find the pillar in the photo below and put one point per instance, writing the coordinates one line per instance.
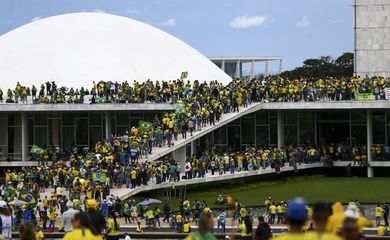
(370, 170)
(223, 65)
(179, 155)
(280, 129)
(280, 66)
(24, 136)
(266, 73)
(252, 69)
(238, 69)
(108, 125)
(193, 148)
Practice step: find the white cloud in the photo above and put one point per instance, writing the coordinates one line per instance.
(35, 18)
(304, 22)
(169, 23)
(131, 10)
(97, 10)
(247, 21)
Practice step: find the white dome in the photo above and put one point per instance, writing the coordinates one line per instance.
(78, 48)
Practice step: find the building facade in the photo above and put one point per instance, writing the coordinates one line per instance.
(372, 37)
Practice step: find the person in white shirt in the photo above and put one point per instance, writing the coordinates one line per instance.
(68, 216)
(6, 221)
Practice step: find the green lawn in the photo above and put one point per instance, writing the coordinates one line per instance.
(312, 188)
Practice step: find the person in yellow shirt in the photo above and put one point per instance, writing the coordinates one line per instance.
(179, 222)
(113, 227)
(280, 213)
(272, 211)
(82, 229)
(186, 227)
(39, 234)
(382, 231)
(138, 229)
(335, 221)
(246, 228)
(378, 215)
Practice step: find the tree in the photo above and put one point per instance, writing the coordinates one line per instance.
(322, 67)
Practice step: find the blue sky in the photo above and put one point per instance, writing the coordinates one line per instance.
(293, 29)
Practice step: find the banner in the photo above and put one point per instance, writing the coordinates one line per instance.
(184, 75)
(99, 177)
(387, 93)
(365, 96)
(180, 108)
(28, 197)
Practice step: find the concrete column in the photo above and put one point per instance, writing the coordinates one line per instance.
(24, 136)
(280, 129)
(370, 170)
(108, 125)
(238, 69)
(193, 148)
(223, 65)
(280, 66)
(266, 73)
(252, 69)
(180, 155)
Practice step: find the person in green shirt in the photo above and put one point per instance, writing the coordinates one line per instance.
(204, 229)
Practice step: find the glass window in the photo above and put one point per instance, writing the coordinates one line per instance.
(137, 115)
(67, 136)
(261, 117)
(333, 115)
(14, 120)
(359, 135)
(290, 117)
(96, 135)
(3, 131)
(273, 130)
(82, 131)
(220, 135)
(134, 122)
(248, 135)
(234, 137)
(359, 117)
(68, 119)
(121, 130)
(54, 132)
(262, 137)
(30, 131)
(95, 119)
(40, 137)
(122, 119)
(306, 128)
(378, 125)
(14, 140)
(290, 135)
(40, 119)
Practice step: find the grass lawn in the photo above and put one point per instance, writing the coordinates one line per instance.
(312, 188)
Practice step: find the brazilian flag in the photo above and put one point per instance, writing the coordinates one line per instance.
(180, 108)
(9, 194)
(184, 75)
(145, 126)
(28, 197)
(99, 177)
(37, 150)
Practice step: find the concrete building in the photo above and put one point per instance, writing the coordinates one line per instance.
(232, 66)
(372, 37)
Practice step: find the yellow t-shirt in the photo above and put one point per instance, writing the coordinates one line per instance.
(243, 231)
(77, 234)
(321, 236)
(111, 225)
(381, 230)
(378, 212)
(39, 235)
(272, 209)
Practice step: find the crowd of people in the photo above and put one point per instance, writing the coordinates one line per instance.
(272, 88)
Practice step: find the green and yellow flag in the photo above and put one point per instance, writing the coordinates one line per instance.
(180, 108)
(99, 177)
(184, 75)
(28, 197)
(145, 126)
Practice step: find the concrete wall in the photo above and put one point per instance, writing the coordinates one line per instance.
(372, 37)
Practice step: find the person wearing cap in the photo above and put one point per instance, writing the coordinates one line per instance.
(6, 220)
(96, 218)
(67, 217)
(296, 219)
